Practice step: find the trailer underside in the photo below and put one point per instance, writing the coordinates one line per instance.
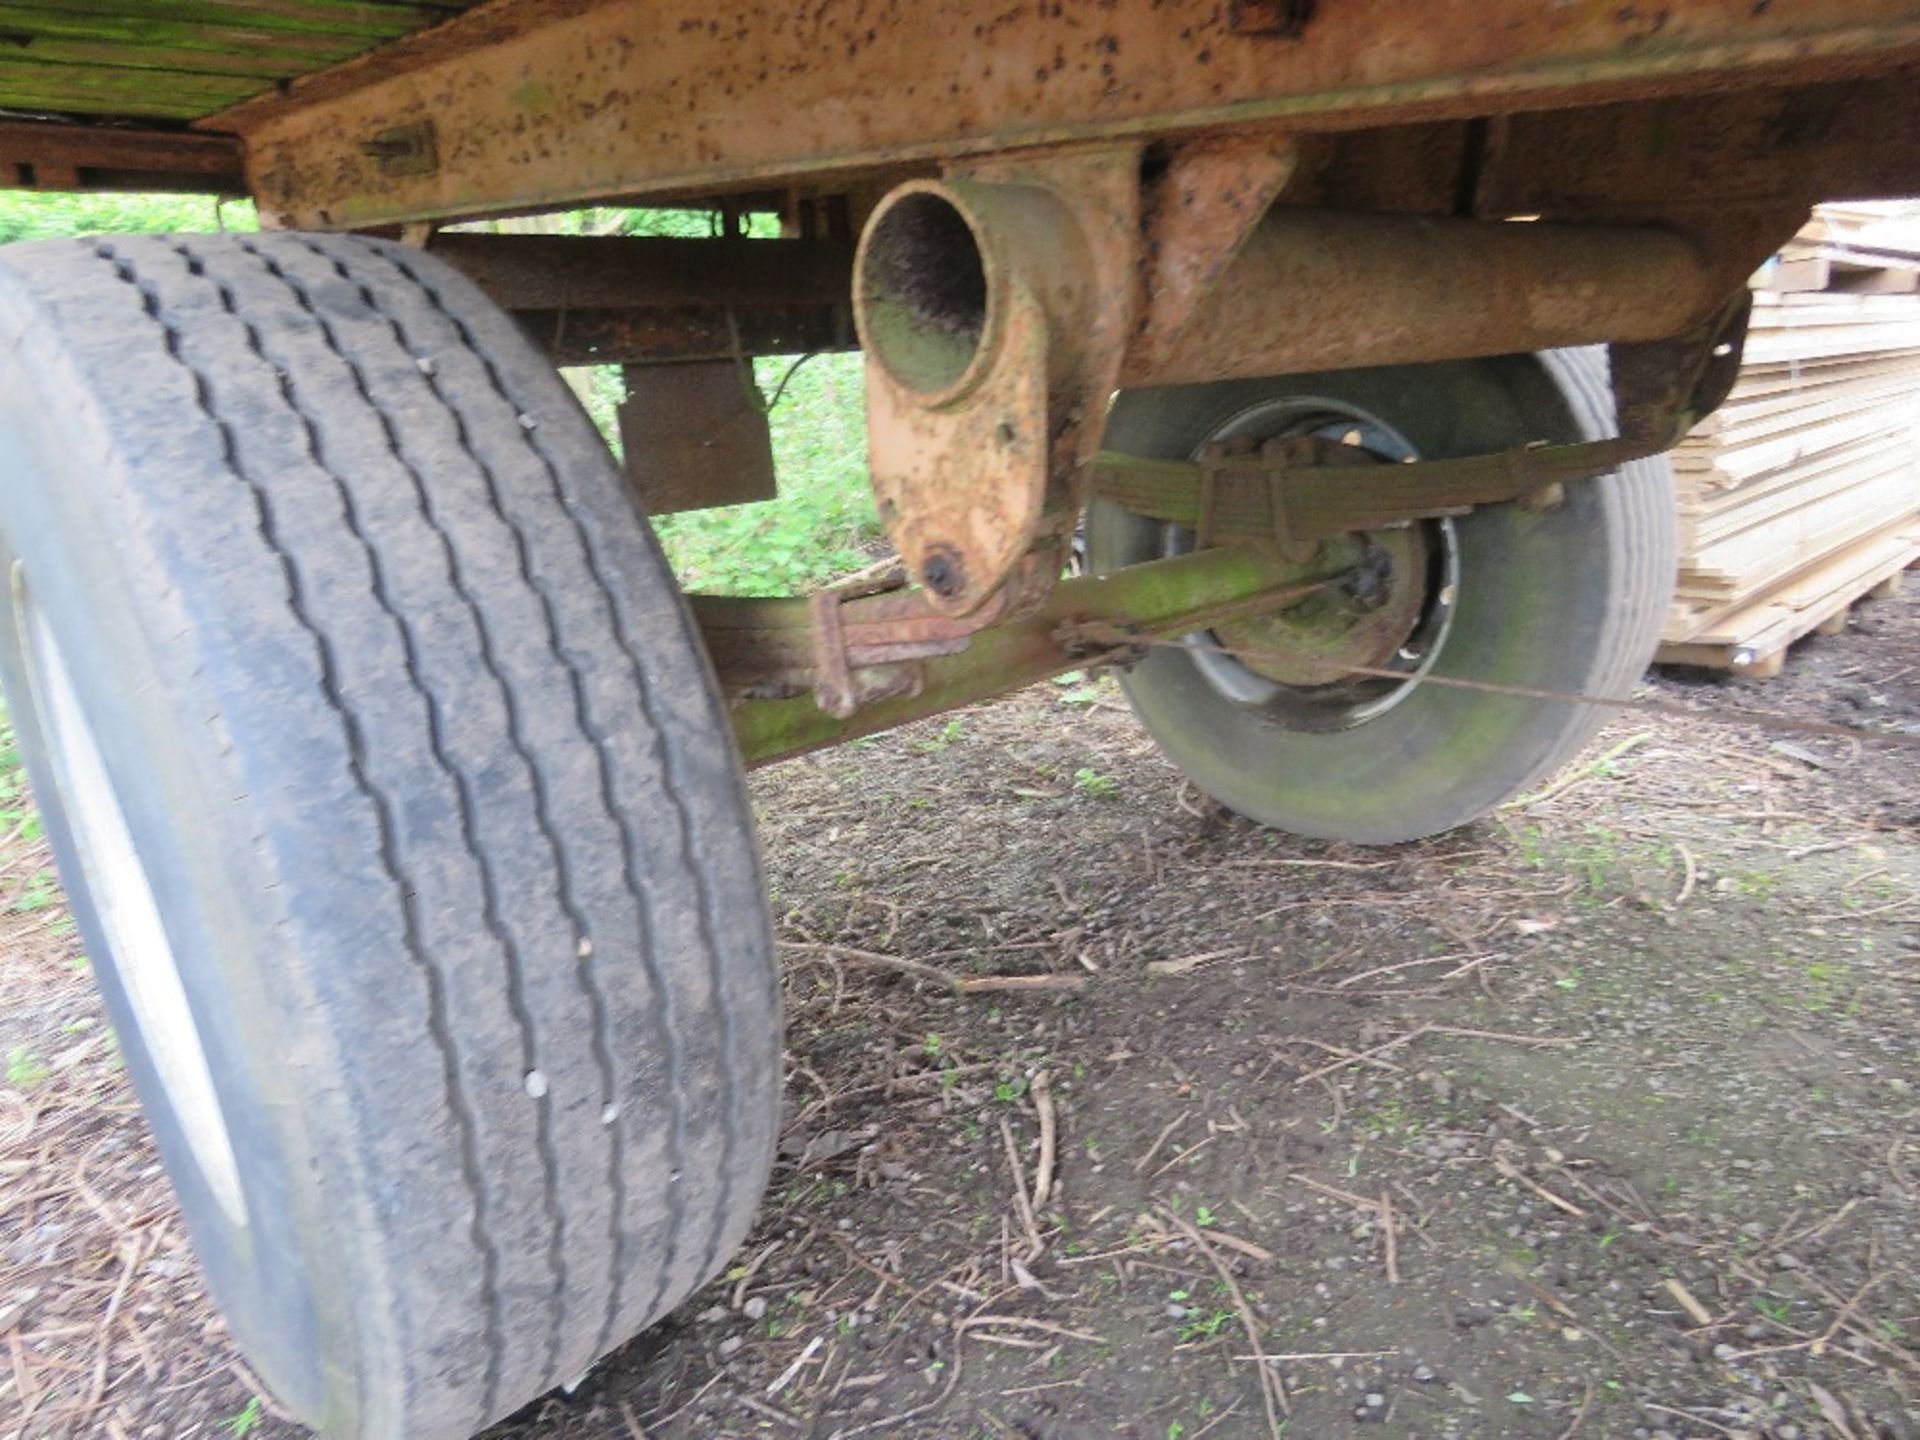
(1249, 347)
(1061, 201)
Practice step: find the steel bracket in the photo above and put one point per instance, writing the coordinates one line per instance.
(995, 306)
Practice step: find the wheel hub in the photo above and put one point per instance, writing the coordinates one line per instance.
(1356, 626)
(1310, 666)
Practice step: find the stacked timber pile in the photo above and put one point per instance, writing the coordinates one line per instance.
(1801, 494)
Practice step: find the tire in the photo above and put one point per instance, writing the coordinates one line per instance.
(1568, 599)
(325, 592)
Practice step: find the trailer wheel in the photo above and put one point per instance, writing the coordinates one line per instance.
(398, 808)
(1568, 599)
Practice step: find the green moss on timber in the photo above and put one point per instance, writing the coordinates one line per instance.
(181, 59)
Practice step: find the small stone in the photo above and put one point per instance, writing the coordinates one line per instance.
(755, 1308)
(1424, 1374)
(713, 1314)
(730, 1346)
(1724, 1351)
(536, 1084)
(1375, 1400)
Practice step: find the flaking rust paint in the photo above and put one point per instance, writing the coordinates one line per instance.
(662, 95)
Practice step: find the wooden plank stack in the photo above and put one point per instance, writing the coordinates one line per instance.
(1801, 494)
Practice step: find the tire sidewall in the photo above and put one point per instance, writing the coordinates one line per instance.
(1534, 596)
(74, 543)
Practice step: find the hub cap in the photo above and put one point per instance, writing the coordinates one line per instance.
(1305, 665)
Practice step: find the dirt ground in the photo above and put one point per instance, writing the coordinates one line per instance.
(1597, 1118)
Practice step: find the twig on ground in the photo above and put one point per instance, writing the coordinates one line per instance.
(1232, 1409)
(786, 1376)
(1303, 864)
(896, 1424)
(1559, 1202)
(1386, 1229)
(1359, 1202)
(1234, 1242)
(1595, 768)
(1580, 1415)
(130, 1258)
(1462, 1032)
(990, 984)
(1140, 1165)
(769, 1412)
(1272, 1387)
(978, 1321)
(1185, 963)
(1698, 1312)
(1288, 1357)
(875, 958)
(691, 1401)
(739, 1296)
(1695, 1417)
(872, 1269)
(1184, 1156)
(1815, 1230)
(958, 985)
(1042, 1092)
(1818, 1345)
(1402, 965)
(1035, 1245)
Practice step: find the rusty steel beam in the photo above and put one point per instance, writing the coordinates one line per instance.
(1853, 141)
(591, 336)
(1321, 290)
(534, 102)
(634, 299)
(646, 272)
(46, 155)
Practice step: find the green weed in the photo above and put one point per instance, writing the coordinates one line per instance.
(1092, 782)
(25, 1069)
(247, 1420)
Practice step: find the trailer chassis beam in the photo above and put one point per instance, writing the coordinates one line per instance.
(527, 104)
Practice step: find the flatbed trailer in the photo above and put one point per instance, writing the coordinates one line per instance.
(1252, 348)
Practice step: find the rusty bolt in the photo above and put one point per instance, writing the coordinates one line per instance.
(943, 573)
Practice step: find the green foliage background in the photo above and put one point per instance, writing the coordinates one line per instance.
(823, 524)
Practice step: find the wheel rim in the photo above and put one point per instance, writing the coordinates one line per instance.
(122, 896)
(1358, 699)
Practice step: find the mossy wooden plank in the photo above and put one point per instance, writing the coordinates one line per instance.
(94, 107)
(137, 19)
(28, 28)
(136, 91)
(181, 59)
(231, 60)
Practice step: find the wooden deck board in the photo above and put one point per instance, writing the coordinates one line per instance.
(171, 60)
